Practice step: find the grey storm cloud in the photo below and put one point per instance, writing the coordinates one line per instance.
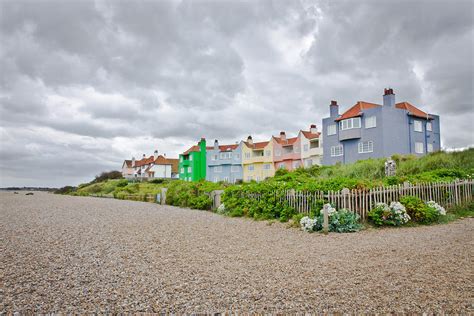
(85, 84)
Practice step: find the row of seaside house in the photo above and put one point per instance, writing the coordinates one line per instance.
(366, 130)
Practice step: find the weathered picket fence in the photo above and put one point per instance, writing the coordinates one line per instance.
(362, 201)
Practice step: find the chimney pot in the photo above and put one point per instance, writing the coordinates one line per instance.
(333, 102)
(334, 109)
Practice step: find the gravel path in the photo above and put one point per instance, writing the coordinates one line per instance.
(76, 254)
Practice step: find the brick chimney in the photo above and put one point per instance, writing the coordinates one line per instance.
(283, 136)
(388, 97)
(155, 155)
(250, 140)
(133, 162)
(313, 129)
(334, 109)
(216, 144)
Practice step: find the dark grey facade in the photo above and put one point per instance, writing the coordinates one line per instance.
(376, 131)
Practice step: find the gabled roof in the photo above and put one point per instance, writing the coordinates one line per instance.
(144, 161)
(356, 110)
(412, 110)
(259, 145)
(286, 142)
(128, 163)
(226, 147)
(194, 148)
(162, 160)
(310, 135)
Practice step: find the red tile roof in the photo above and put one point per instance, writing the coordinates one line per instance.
(144, 161)
(227, 147)
(162, 160)
(310, 135)
(356, 110)
(259, 145)
(412, 110)
(286, 142)
(194, 148)
(128, 163)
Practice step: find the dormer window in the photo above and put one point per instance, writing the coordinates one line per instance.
(350, 123)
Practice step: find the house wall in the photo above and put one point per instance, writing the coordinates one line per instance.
(197, 161)
(231, 169)
(284, 159)
(394, 134)
(161, 171)
(312, 156)
(259, 172)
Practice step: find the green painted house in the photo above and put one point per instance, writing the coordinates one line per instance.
(192, 163)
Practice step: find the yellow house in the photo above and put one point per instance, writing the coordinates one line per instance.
(257, 160)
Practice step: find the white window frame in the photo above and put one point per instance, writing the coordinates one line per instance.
(332, 129)
(371, 121)
(350, 123)
(282, 166)
(337, 151)
(190, 169)
(226, 179)
(266, 166)
(309, 163)
(237, 156)
(429, 148)
(305, 147)
(418, 126)
(429, 126)
(249, 178)
(247, 155)
(190, 157)
(296, 164)
(366, 147)
(268, 153)
(216, 179)
(217, 169)
(419, 148)
(250, 167)
(182, 170)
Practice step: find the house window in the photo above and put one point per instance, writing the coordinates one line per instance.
(249, 178)
(305, 147)
(278, 153)
(250, 167)
(237, 156)
(429, 126)
(309, 163)
(268, 153)
(332, 129)
(190, 157)
(296, 164)
(430, 148)
(218, 169)
(247, 155)
(370, 121)
(190, 169)
(314, 143)
(235, 168)
(337, 151)
(182, 170)
(226, 179)
(350, 123)
(266, 166)
(418, 126)
(258, 178)
(366, 147)
(226, 155)
(297, 149)
(281, 166)
(214, 157)
(419, 148)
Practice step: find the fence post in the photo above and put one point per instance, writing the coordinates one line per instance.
(216, 199)
(345, 198)
(326, 219)
(163, 196)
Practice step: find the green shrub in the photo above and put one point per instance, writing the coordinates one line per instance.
(343, 221)
(418, 210)
(393, 215)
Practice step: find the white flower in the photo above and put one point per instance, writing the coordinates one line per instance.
(331, 210)
(221, 209)
(307, 224)
(441, 210)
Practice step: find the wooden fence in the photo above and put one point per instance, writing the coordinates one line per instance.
(362, 201)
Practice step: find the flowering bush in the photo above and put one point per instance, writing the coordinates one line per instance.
(394, 215)
(435, 206)
(418, 210)
(308, 225)
(342, 221)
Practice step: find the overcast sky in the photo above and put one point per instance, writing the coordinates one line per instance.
(86, 84)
